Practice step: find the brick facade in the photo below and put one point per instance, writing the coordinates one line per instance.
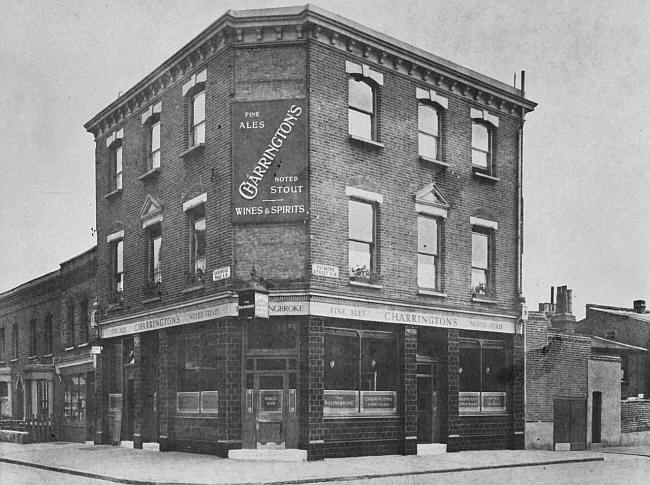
(304, 61)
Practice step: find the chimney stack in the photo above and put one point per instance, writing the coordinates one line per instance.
(563, 318)
(639, 306)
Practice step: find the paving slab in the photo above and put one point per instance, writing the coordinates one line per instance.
(124, 465)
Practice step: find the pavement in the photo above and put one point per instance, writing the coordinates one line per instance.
(124, 465)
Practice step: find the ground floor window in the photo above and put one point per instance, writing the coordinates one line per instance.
(5, 411)
(198, 379)
(483, 376)
(361, 372)
(74, 397)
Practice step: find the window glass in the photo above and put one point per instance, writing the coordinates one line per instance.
(119, 266)
(198, 118)
(47, 334)
(361, 111)
(341, 360)
(155, 145)
(361, 372)
(71, 325)
(360, 221)
(428, 135)
(427, 235)
(198, 241)
(116, 154)
(480, 145)
(198, 377)
(427, 271)
(480, 258)
(483, 376)
(361, 95)
(156, 245)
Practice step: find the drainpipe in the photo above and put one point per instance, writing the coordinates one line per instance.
(520, 236)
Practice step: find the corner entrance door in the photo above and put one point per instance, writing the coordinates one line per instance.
(428, 412)
(270, 419)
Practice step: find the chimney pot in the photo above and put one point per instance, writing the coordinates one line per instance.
(639, 306)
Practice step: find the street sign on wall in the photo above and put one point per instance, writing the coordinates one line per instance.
(269, 157)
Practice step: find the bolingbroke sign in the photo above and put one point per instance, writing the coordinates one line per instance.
(269, 157)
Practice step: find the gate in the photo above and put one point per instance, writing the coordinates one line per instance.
(570, 422)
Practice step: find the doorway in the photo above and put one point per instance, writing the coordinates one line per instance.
(596, 416)
(428, 391)
(270, 418)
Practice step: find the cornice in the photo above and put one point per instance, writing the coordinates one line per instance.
(274, 26)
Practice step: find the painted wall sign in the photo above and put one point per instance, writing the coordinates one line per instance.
(221, 273)
(169, 319)
(426, 318)
(325, 270)
(269, 151)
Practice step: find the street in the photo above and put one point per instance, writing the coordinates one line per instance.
(616, 468)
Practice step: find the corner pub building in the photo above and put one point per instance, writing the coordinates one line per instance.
(309, 239)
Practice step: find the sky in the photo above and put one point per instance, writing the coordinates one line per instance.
(586, 151)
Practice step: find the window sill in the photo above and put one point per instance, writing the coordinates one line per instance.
(150, 300)
(193, 288)
(481, 299)
(14, 359)
(113, 193)
(360, 416)
(433, 161)
(485, 176)
(431, 292)
(193, 150)
(82, 345)
(366, 285)
(366, 141)
(483, 413)
(113, 307)
(150, 173)
(48, 355)
(68, 348)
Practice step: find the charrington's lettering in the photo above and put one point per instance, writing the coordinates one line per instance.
(419, 318)
(248, 188)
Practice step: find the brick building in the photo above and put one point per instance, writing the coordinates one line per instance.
(627, 332)
(309, 238)
(44, 348)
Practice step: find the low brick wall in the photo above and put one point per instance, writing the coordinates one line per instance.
(11, 436)
(635, 416)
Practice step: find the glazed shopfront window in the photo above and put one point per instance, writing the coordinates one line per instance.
(197, 377)
(74, 397)
(361, 372)
(483, 376)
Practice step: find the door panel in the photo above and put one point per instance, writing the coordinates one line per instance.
(270, 410)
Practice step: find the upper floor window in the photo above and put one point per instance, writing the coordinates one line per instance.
(194, 89)
(48, 332)
(361, 234)
(428, 253)
(116, 167)
(154, 144)
(362, 100)
(115, 153)
(483, 127)
(481, 147)
(14, 341)
(70, 330)
(117, 284)
(154, 254)
(32, 337)
(197, 118)
(197, 242)
(151, 122)
(361, 111)
(83, 326)
(482, 260)
(428, 132)
(2, 345)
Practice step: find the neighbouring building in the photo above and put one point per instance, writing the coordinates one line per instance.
(309, 239)
(626, 333)
(573, 382)
(46, 371)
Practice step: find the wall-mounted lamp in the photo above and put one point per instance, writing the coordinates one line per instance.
(460, 370)
(332, 364)
(373, 363)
